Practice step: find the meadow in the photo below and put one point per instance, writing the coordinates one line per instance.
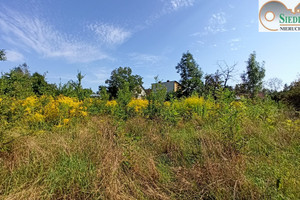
(189, 148)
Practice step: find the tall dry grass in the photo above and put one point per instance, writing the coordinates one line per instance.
(109, 158)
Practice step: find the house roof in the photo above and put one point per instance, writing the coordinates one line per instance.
(94, 95)
(167, 82)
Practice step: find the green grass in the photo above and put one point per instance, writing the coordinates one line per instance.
(108, 158)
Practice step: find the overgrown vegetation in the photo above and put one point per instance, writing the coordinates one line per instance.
(58, 143)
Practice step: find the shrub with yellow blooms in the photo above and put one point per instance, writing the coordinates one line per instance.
(111, 104)
(138, 105)
(45, 110)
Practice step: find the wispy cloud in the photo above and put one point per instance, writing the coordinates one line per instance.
(177, 4)
(217, 23)
(169, 6)
(14, 56)
(110, 34)
(97, 75)
(33, 33)
(141, 59)
(234, 44)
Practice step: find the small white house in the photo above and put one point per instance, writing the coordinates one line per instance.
(140, 92)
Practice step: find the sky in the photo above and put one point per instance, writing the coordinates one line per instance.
(60, 38)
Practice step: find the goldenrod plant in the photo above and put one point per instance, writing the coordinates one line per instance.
(217, 146)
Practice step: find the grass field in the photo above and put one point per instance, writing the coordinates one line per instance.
(249, 150)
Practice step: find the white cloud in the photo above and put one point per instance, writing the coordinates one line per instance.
(201, 42)
(196, 34)
(234, 44)
(14, 56)
(231, 6)
(234, 40)
(110, 34)
(97, 75)
(217, 23)
(168, 7)
(141, 59)
(177, 4)
(35, 34)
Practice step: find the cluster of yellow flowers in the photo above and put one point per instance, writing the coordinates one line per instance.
(293, 125)
(111, 104)
(194, 102)
(187, 106)
(138, 105)
(45, 109)
(61, 110)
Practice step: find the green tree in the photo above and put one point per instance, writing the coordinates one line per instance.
(66, 89)
(156, 98)
(40, 86)
(118, 79)
(213, 83)
(2, 55)
(103, 93)
(190, 74)
(74, 88)
(77, 85)
(253, 77)
(291, 94)
(17, 82)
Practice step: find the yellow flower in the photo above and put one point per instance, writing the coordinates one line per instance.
(194, 102)
(58, 126)
(30, 101)
(84, 113)
(112, 103)
(72, 111)
(28, 110)
(138, 105)
(167, 104)
(66, 121)
(37, 117)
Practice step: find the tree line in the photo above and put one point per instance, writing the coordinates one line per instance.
(20, 83)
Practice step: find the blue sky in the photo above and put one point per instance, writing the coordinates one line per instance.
(95, 37)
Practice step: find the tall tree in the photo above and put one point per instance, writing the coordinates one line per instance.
(40, 86)
(291, 94)
(103, 93)
(190, 74)
(74, 88)
(274, 84)
(213, 83)
(121, 77)
(17, 82)
(253, 77)
(2, 55)
(227, 71)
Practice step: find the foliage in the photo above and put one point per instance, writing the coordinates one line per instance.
(215, 149)
(213, 83)
(156, 99)
(17, 82)
(103, 93)
(40, 86)
(20, 83)
(74, 88)
(291, 94)
(196, 147)
(2, 55)
(252, 78)
(138, 106)
(190, 74)
(121, 76)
